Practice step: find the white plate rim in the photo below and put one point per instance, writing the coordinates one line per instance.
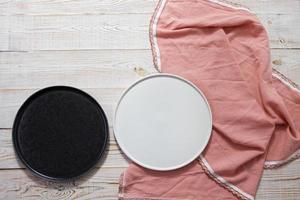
(132, 157)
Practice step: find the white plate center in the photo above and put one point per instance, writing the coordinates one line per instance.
(162, 122)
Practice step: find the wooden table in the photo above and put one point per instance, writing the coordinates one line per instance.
(101, 46)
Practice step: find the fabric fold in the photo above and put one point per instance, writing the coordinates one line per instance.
(225, 52)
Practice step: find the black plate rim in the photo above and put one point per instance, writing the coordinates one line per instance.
(20, 114)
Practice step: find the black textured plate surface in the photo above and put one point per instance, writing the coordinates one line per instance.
(60, 133)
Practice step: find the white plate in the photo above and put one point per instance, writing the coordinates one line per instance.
(162, 122)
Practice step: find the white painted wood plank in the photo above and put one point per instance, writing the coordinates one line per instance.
(21, 74)
(115, 158)
(269, 6)
(53, 7)
(104, 74)
(283, 29)
(97, 78)
(282, 59)
(11, 100)
(76, 60)
(287, 62)
(123, 31)
(98, 184)
(4, 34)
(4, 41)
(107, 64)
(105, 85)
(103, 183)
(282, 183)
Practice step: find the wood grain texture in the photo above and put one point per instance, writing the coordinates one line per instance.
(98, 184)
(123, 31)
(76, 60)
(102, 46)
(71, 7)
(281, 184)
(103, 76)
(112, 31)
(102, 182)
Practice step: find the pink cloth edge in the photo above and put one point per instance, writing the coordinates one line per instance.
(204, 166)
(268, 164)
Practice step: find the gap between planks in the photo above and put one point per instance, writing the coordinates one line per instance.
(31, 33)
(52, 7)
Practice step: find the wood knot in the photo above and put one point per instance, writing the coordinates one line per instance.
(282, 41)
(277, 62)
(59, 192)
(140, 71)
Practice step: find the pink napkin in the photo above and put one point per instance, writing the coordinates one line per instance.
(223, 51)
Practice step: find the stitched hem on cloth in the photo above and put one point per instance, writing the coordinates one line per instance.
(272, 164)
(288, 82)
(157, 63)
(221, 181)
(154, 22)
(152, 33)
(206, 167)
(124, 196)
(231, 5)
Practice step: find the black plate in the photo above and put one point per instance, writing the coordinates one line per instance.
(60, 132)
